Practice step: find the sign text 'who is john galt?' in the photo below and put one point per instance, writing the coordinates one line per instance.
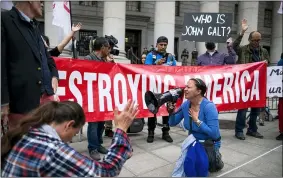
(203, 27)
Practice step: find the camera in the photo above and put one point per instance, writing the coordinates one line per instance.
(86, 43)
(113, 43)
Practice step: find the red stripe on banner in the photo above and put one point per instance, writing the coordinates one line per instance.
(66, 6)
(99, 87)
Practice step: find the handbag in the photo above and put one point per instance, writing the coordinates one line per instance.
(214, 157)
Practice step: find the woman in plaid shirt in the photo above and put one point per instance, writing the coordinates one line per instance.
(39, 146)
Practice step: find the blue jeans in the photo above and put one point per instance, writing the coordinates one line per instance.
(241, 120)
(94, 135)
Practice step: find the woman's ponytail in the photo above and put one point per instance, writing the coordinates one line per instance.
(43, 115)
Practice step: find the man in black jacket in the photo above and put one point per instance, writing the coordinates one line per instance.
(28, 73)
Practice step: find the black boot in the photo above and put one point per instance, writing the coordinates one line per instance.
(150, 136)
(166, 136)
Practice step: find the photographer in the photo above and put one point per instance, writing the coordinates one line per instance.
(159, 57)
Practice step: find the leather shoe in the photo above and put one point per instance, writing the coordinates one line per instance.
(94, 154)
(240, 136)
(102, 150)
(254, 134)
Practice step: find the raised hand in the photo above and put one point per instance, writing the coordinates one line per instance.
(77, 27)
(244, 25)
(126, 117)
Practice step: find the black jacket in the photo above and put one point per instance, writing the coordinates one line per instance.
(21, 75)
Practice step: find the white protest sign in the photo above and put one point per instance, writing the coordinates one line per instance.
(274, 81)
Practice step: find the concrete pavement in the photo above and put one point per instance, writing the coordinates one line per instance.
(249, 158)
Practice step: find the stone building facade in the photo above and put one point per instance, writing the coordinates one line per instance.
(138, 24)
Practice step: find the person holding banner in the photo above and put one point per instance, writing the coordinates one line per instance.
(28, 72)
(213, 58)
(101, 50)
(280, 107)
(252, 52)
(159, 57)
(39, 147)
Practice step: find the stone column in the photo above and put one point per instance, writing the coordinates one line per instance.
(249, 11)
(114, 23)
(54, 33)
(276, 39)
(164, 23)
(207, 7)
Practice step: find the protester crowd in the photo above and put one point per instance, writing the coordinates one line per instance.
(36, 126)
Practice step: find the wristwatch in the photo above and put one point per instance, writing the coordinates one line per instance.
(198, 122)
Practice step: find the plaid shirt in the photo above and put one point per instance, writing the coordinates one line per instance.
(39, 154)
(245, 53)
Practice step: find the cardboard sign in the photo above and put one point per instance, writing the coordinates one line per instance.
(204, 27)
(274, 81)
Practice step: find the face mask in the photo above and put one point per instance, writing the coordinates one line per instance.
(210, 45)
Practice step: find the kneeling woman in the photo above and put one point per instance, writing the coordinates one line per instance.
(201, 120)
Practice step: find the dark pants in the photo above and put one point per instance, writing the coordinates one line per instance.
(152, 121)
(94, 135)
(241, 120)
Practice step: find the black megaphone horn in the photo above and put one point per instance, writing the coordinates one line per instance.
(153, 101)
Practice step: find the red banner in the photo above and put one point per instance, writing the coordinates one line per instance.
(99, 87)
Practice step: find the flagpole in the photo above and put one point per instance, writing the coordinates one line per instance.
(73, 47)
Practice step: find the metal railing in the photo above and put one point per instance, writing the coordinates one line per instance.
(131, 56)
